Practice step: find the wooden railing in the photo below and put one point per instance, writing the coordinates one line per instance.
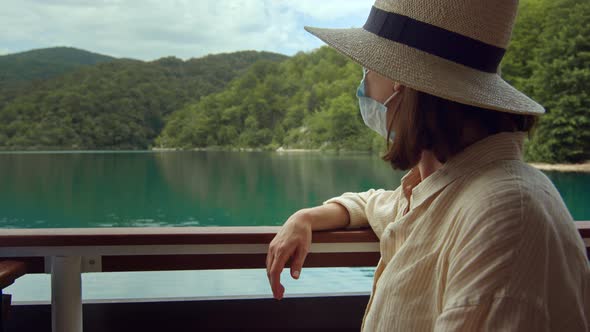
(185, 248)
(66, 253)
(178, 248)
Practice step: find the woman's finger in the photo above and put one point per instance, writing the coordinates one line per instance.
(275, 275)
(297, 263)
(278, 264)
(269, 259)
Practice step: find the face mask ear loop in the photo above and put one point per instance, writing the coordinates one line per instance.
(391, 97)
(390, 124)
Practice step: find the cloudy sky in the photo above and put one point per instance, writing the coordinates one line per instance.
(150, 29)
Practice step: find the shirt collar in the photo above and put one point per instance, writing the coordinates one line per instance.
(501, 146)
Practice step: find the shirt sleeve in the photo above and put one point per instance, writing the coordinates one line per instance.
(494, 275)
(356, 204)
(517, 263)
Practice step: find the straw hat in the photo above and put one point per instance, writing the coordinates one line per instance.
(450, 49)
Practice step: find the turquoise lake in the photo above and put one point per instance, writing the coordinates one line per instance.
(143, 189)
(196, 188)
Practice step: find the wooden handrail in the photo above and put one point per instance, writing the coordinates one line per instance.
(180, 248)
(179, 236)
(189, 248)
(10, 271)
(164, 236)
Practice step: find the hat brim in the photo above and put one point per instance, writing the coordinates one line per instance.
(426, 72)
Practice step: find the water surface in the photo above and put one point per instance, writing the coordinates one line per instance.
(202, 188)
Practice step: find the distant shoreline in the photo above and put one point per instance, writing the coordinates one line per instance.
(585, 167)
(281, 149)
(581, 167)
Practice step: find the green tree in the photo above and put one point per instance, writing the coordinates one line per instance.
(561, 82)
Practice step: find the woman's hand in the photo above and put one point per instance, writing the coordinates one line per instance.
(292, 241)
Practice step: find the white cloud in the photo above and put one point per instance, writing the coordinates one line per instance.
(329, 9)
(149, 29)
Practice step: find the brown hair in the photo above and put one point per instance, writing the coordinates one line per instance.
(427, 122)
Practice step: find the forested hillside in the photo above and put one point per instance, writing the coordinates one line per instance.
(120, 104)
(45, 63)
(264, 100)
(307, 101)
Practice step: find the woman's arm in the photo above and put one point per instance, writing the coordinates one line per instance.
(294, 240)
(325, 217)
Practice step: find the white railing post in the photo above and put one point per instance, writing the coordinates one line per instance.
(66, 294)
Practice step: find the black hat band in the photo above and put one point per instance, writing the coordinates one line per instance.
(435, 40)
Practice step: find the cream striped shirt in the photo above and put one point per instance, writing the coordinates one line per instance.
(487, 245)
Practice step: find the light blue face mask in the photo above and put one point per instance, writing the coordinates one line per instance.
(373, 112)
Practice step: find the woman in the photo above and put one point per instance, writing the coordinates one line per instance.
(474, 239)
